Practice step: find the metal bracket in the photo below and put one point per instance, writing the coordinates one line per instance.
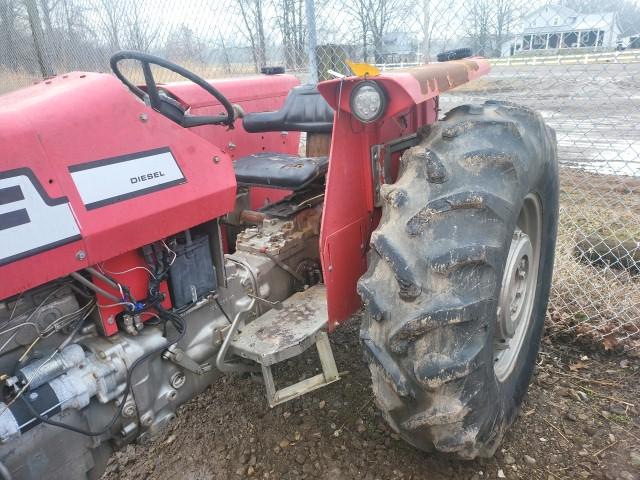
(381, 167)
(329, 375)
(179, 357)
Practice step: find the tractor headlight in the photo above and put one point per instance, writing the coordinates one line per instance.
(368, 101)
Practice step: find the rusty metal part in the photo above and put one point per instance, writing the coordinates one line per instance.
(444, 76)
(251, 216)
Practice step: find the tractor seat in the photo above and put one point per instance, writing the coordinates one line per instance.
(279, 170)
(304, 110)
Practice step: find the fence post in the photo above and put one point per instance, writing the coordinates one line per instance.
(38, 38)
(312, 40)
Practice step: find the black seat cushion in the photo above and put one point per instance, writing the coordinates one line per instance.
(279, 170)
(304, 110)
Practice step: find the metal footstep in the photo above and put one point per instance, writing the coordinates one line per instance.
(279, 335)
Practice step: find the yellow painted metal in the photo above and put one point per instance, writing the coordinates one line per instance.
(363, 69)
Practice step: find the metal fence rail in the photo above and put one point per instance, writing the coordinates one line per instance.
(576, 61)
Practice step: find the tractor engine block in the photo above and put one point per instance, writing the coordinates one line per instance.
(282, 252)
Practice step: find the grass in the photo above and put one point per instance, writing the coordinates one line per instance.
(12, 80)
(596, 302)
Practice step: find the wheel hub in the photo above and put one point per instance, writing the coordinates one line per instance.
(515, 283)
(517, 294)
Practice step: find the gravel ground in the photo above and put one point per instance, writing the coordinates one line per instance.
(580, 420)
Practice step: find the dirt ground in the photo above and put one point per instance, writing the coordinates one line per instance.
(579, 420)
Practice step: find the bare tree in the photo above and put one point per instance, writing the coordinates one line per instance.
(8, 16)
(429, 21)
(376, 18)
(627, 11)
(38, 38)
(290, 19)
(505, 15)
(479, 26)
(358, 10)
(384, 15)
(252, 16)
(140, 32)
(111, 20)
(184, 44)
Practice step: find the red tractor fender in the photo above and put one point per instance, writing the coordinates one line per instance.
(350, 212)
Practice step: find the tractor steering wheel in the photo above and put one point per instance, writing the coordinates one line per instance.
(164, 104)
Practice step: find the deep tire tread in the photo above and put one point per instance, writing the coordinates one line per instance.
(429, 338)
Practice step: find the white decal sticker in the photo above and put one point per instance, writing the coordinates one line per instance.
(108, 181)
(30, 221)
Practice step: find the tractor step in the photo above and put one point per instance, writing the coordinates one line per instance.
(281, 334)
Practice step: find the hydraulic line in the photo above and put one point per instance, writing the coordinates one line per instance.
(94, 287)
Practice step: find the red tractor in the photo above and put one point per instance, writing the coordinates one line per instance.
(155, 235)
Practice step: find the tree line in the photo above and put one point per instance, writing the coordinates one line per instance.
(44, 36)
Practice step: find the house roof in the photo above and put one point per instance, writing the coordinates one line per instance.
(570, 20)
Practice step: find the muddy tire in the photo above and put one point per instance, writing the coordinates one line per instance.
(435, 328)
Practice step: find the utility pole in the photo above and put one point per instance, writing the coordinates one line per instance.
(312, 41)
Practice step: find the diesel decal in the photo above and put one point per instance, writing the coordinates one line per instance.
(30, 221)
(112, 180)
(147, 176)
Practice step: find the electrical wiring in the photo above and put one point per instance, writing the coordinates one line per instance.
(102, 267)
(26, 385)
(117, 304)
(222, 310)
(57, 350)
(15, 306)
(154, 301)
(168, 316)
(175, 255)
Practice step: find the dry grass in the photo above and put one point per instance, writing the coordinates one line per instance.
(596, 302)
(13, 80)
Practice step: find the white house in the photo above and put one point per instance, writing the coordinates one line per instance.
(555, 27)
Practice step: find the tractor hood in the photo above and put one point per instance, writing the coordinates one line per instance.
(88, 172)
(408, 87)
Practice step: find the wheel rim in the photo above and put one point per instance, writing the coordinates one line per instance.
(518, 290)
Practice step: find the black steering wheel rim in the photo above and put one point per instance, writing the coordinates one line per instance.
(153, 93)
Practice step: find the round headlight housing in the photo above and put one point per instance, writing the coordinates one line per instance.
(368, 101)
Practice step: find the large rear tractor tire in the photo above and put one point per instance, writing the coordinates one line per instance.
(459, 275)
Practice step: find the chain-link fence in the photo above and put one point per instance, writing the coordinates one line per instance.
(576, 61)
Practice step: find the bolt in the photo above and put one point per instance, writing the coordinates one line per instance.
(129, 409)
(81, 255)
(216, 159)
(514, 308)
(177, 380)
(144, 117)
(128, 429)
(33, 396)
(102, 355)
(231, 146)
(147, 419)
